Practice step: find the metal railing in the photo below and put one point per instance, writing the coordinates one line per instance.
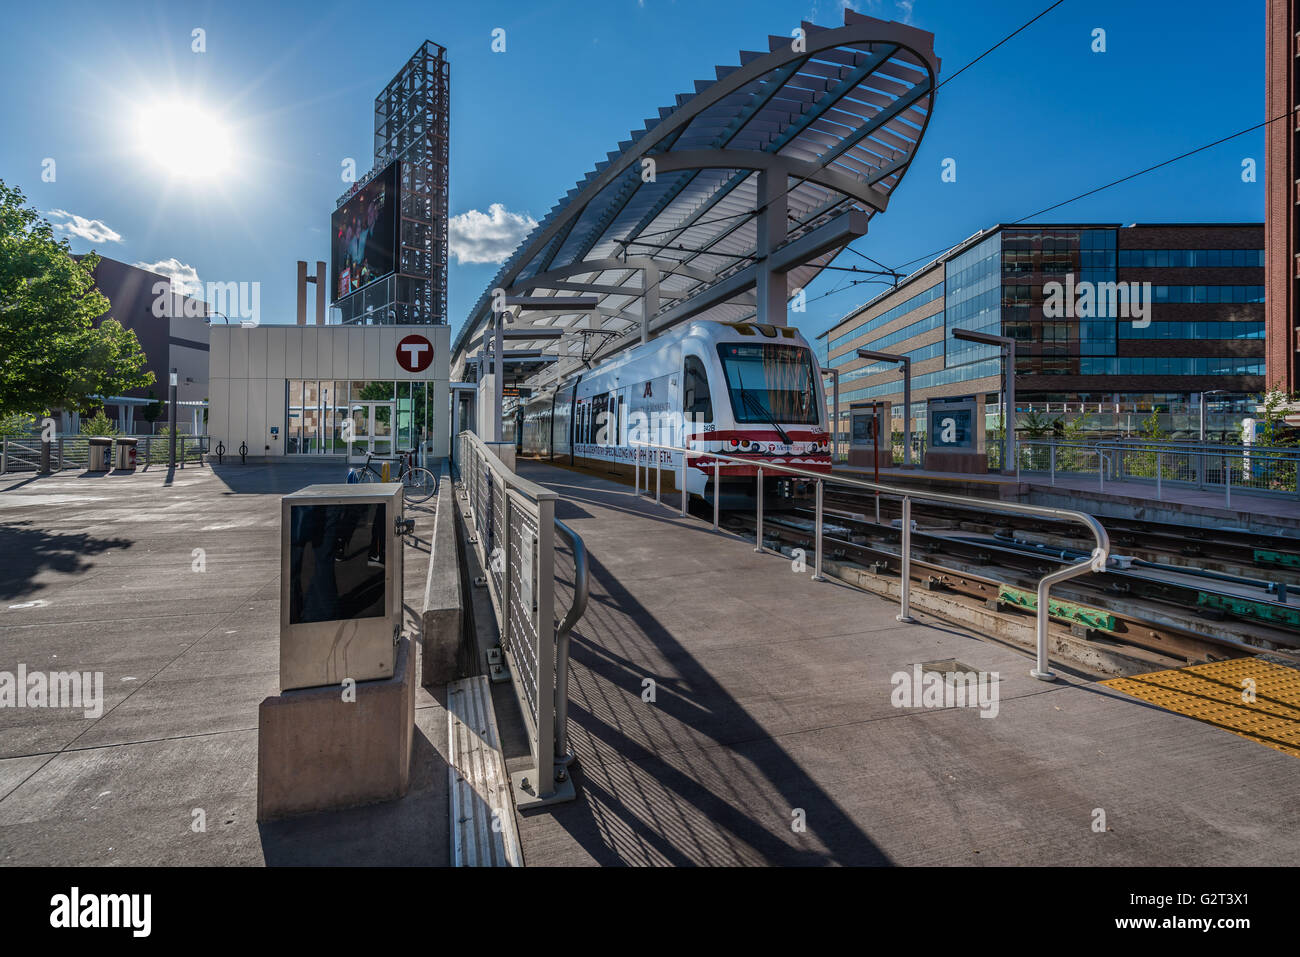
(1096, 562)
(514, 531)
(1186, 465)
(24, 453)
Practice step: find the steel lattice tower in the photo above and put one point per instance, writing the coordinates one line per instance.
(412, 121)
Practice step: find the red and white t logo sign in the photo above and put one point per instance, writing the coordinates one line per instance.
(415, 353)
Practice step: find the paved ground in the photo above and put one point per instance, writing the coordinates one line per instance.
(97, 573)
(773, 707)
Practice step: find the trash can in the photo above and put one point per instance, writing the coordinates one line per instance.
(99, 453)
(126, 455)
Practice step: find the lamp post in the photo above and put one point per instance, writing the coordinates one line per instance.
(1201, 403)
(171, 421)
(906, 363)
(1008, 386)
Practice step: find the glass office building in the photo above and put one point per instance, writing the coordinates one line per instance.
(1107, 320)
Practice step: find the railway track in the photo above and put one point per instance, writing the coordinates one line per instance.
(1165, 617)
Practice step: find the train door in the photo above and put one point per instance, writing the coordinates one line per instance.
(697, 403)
(697, 414)
(617, 439)
(573, 418)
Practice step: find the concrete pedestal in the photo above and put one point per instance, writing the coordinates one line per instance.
(317, 751)
(954, 460)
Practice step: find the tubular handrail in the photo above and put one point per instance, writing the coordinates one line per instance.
(526, 617)
(581, 591)
(1096, 562)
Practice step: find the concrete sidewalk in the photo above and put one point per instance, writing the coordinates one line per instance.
(772, 738)
(169, 585)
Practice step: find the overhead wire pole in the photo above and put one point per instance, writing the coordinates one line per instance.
(1008, 346)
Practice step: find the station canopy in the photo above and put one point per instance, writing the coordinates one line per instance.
(768, 170)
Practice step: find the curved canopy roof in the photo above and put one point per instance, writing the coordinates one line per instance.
(833, 118)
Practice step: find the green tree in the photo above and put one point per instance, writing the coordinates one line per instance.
(55, 357)
(98, 424)
(151, 412)
(17, 425)
(1270, 425)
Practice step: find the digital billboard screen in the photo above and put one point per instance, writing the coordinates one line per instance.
(363, 234)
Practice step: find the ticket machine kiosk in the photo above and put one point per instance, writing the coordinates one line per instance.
(340, 583)
(955, 435)
(870, 437)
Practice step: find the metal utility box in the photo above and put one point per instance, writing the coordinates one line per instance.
(340, 583)
(100, 449)
(871, 442)
(955, 435)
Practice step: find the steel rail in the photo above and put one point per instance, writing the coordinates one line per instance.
(1094, 563)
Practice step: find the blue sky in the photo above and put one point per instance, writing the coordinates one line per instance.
(1039, 120)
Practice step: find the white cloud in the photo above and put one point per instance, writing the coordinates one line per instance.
(905, 8)
(185, 279)
(476, 237)
(91, 230)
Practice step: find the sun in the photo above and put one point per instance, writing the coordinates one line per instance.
(184, 139)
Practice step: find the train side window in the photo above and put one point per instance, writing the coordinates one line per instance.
(696, 401)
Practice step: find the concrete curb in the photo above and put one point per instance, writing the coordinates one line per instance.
(440, 621)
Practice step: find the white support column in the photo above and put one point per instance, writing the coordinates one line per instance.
(649, 300)
(498, 366)
(771, 286)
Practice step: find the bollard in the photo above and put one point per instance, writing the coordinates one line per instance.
(717, 490)
(221, 450)
(685, 456)
(905, 550)
(817, 559)
(243, 453)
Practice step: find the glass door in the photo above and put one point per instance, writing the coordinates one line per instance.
(382, 420)
(358, 429)
(371, 430)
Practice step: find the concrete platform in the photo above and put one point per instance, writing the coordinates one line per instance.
(99, 573)
(772, 738)
(1266, 513)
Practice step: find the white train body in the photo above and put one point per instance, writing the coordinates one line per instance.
(741, 389)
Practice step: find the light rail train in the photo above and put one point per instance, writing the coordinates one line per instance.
(748, 390)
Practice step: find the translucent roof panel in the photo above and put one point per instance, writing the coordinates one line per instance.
(837, 114)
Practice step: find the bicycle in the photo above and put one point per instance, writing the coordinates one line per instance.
(418, 483)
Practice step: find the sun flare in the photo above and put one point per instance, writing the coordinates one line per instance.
(184, 139)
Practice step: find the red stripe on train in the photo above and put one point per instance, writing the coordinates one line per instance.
(758, 436)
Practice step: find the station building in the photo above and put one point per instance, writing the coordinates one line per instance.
(343, 391)
(1202, 331)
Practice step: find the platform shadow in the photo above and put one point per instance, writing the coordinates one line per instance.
(646, 797)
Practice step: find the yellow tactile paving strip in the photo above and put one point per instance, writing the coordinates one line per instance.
(1216, 693)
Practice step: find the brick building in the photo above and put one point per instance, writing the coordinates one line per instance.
(1282, 183)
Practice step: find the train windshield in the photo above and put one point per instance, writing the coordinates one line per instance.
(770, 383)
